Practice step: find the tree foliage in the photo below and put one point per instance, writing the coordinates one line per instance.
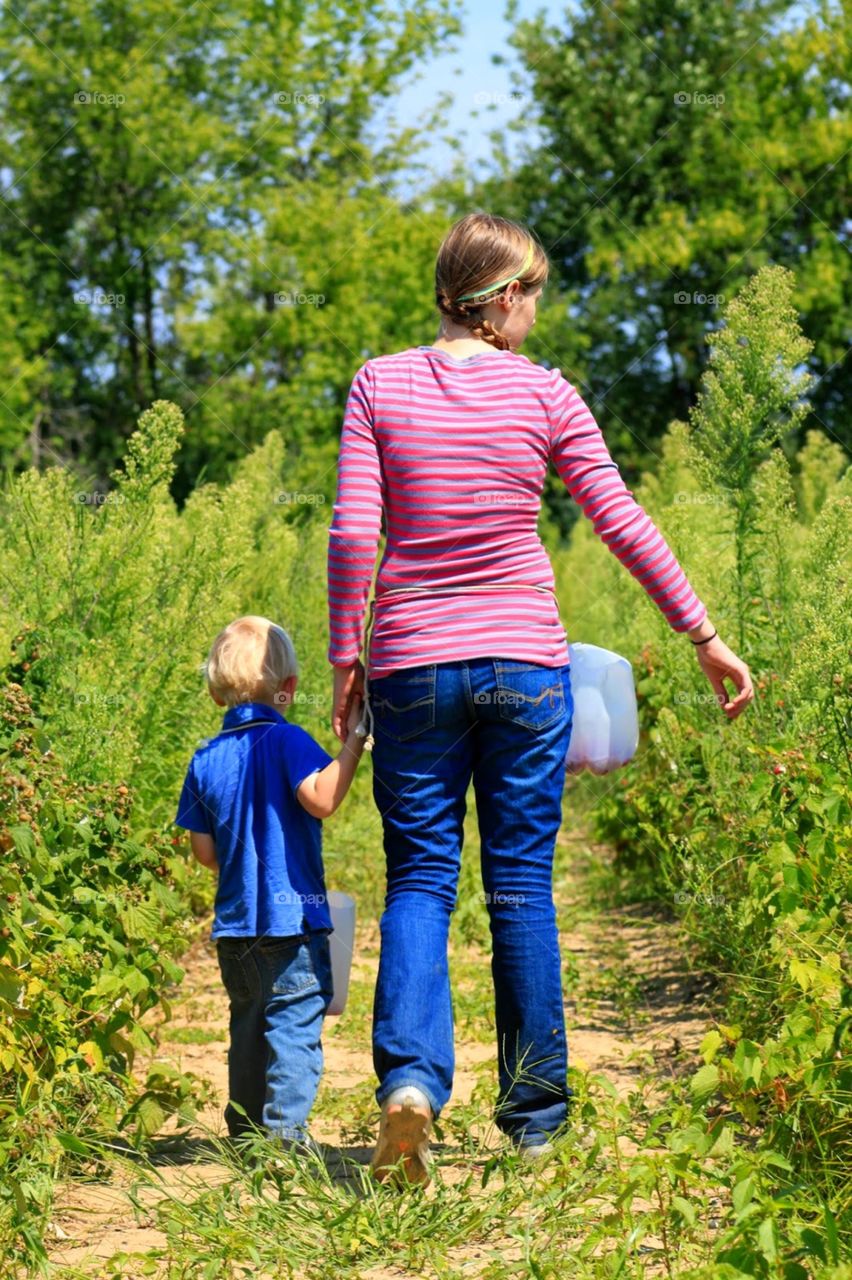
(683, 146)
(173, 171)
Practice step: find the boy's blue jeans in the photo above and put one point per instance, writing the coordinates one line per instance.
(279, 990)
(506, 724)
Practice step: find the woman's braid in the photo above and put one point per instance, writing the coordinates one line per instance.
(469, 314)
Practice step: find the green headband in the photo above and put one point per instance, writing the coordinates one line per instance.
(501, 283)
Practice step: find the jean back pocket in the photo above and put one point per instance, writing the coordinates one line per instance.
(403, 702)
(301, 969)
(528, 693)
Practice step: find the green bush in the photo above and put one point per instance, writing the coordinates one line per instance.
(745, 828)
(110, 602)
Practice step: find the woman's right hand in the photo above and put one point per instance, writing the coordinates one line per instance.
(348, 685)
(717, 661)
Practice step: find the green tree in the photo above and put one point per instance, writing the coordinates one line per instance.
(22, 339)
(325, 283)
(144, 144)
(683, 146)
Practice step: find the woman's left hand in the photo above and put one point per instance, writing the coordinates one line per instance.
(348, 684)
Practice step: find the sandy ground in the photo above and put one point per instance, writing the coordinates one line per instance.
(661, 1031)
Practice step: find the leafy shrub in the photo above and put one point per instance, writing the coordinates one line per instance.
(745, 828)
(109, 605)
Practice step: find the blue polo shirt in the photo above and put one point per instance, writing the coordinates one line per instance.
(240, 789)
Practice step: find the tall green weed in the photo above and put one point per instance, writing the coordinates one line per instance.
(745, 828)
(109, 603)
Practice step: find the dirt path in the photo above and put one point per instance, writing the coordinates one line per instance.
(634, 1011)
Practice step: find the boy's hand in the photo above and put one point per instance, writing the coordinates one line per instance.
(356, 710)
(322, 792)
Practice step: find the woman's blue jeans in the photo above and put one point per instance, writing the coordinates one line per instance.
(506, 725)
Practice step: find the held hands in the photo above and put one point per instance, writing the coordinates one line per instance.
(717, 661)
(348, 689)
(356, 707)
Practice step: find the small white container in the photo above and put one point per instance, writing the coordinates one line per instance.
(605, 732)
(342, 944)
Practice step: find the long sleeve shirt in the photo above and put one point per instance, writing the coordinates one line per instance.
(455, 453)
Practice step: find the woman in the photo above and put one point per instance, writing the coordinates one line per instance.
(469, 669)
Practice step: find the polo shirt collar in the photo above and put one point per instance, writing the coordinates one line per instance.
(245, 712)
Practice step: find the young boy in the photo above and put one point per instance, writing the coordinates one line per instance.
(253, 800)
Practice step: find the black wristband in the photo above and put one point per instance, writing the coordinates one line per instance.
(706, 638)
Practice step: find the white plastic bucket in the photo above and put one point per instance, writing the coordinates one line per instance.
(342, 944)
(605, 732)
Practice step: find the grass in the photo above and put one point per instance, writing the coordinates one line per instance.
(191, 1035)
(486, 1213)
(642, 1185)
(647, 1182)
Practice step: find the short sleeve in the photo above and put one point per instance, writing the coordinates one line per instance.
(192, 813)
(304, 756)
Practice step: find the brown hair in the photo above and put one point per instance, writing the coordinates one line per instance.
(478, 249)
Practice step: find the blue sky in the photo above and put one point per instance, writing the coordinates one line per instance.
(481, 92)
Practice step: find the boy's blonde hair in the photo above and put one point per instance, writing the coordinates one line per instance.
(249, 660)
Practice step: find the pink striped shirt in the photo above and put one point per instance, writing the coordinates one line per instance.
(455, 453)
